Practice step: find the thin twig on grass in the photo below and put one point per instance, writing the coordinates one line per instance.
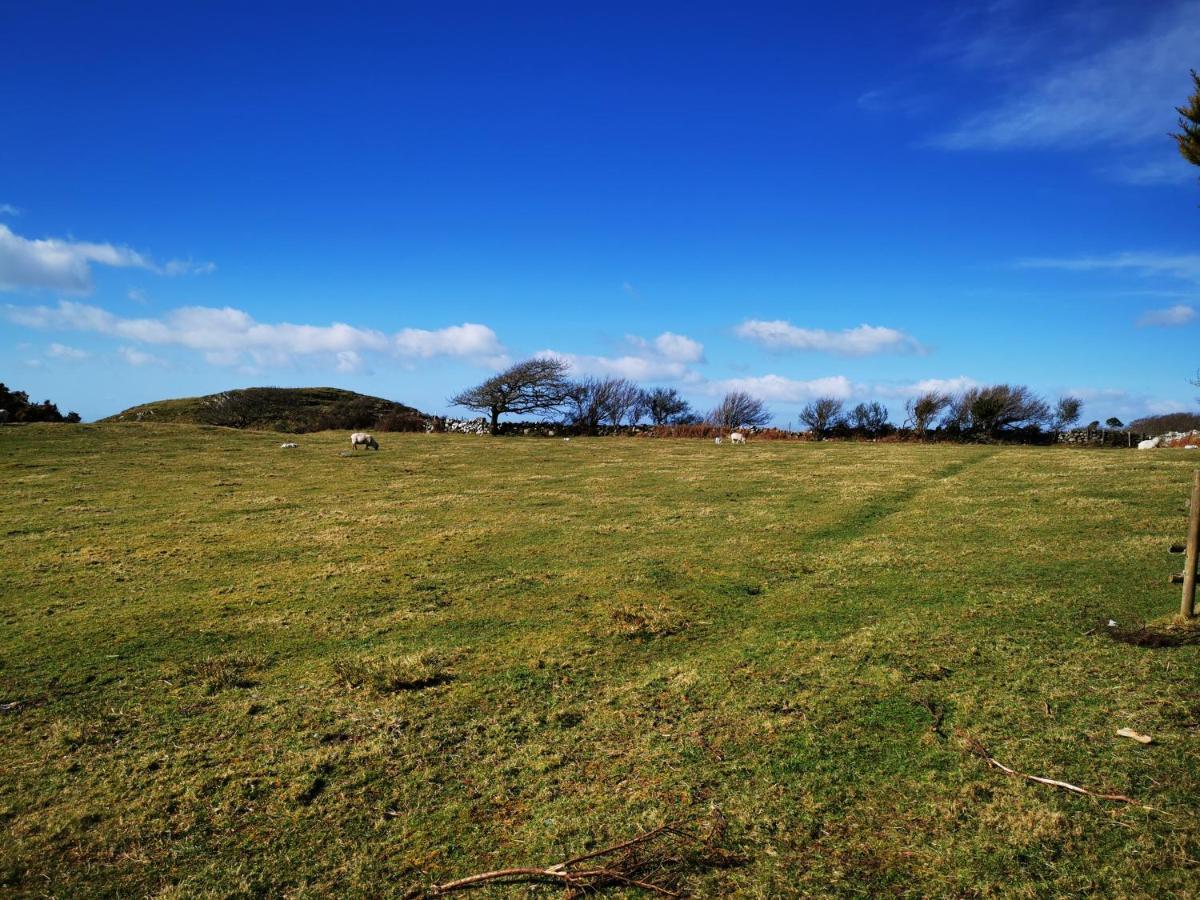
(632, 863)
(974, 746)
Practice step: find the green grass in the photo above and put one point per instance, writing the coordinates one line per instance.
(246, 671)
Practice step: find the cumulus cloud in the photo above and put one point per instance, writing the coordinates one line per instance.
(66, 265)
(228, 336)
(864, 340)
(1116, 92)
(1179, 314)
(62, 351)
(469, 340)
(670, 346)
(667, 357)
(1184, 266)
(776, 388)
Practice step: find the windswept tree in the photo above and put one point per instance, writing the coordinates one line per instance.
(1114, 423)
(997, 408)
(1188, 137)
(622, 399)
(1067, 412)
(739, 410)
(664, 406)
(536, 385)
(870, 419)
(594, 401)
(821, 415)
(922, 411)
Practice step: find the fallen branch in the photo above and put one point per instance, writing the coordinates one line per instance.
(626, 863)
(975, 747)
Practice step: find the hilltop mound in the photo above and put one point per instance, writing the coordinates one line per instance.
(293, 410)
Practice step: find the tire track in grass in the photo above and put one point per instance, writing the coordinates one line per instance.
(865, 517)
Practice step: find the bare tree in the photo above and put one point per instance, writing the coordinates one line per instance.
(821, 415)
(923, 410)
(620, 399)
(1067, 412)
(869, 418)
(584, 405)
(739, 410)
(537, 385)
(664, 405)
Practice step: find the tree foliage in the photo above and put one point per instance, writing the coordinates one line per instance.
(991, 410)
(1067, 412)
(18, 408)
(664, 406)
(923, 410)
(538, 385)
(1188, 137)
(739, 410)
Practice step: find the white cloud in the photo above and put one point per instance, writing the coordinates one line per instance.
(665, 358)
(136, 357)
(65, 265)
(349, 362)
(638, 368)
(670, 346)
(466, 341)
(62, 351)
(228, 336)
(7, 209)
(925, 386)
(1123, 92)
(1179, 314)
(1184, 266)
(864, 340)
(778, 389)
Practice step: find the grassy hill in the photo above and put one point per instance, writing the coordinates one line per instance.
(309, 673)
(294, 410)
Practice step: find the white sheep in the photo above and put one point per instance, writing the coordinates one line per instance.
(737, 438)
(717, 441)
(288, 446)
(361, 439)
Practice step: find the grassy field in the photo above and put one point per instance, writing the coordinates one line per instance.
(243, 671)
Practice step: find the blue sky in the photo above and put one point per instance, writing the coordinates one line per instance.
(860, 200)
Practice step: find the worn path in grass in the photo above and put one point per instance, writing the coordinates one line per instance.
(242, 670)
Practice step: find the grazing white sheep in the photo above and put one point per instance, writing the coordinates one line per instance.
(288, 446)
(360, 439)
(737, 438)
(717, 441)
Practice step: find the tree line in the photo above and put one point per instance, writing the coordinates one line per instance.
(542, 386)
(15, 406)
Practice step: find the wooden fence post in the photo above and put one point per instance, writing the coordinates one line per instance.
(1187, 604)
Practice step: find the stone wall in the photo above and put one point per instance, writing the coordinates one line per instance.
(1100, 437)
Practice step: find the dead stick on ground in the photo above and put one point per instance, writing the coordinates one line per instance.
(979, 750)
(578, 879)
